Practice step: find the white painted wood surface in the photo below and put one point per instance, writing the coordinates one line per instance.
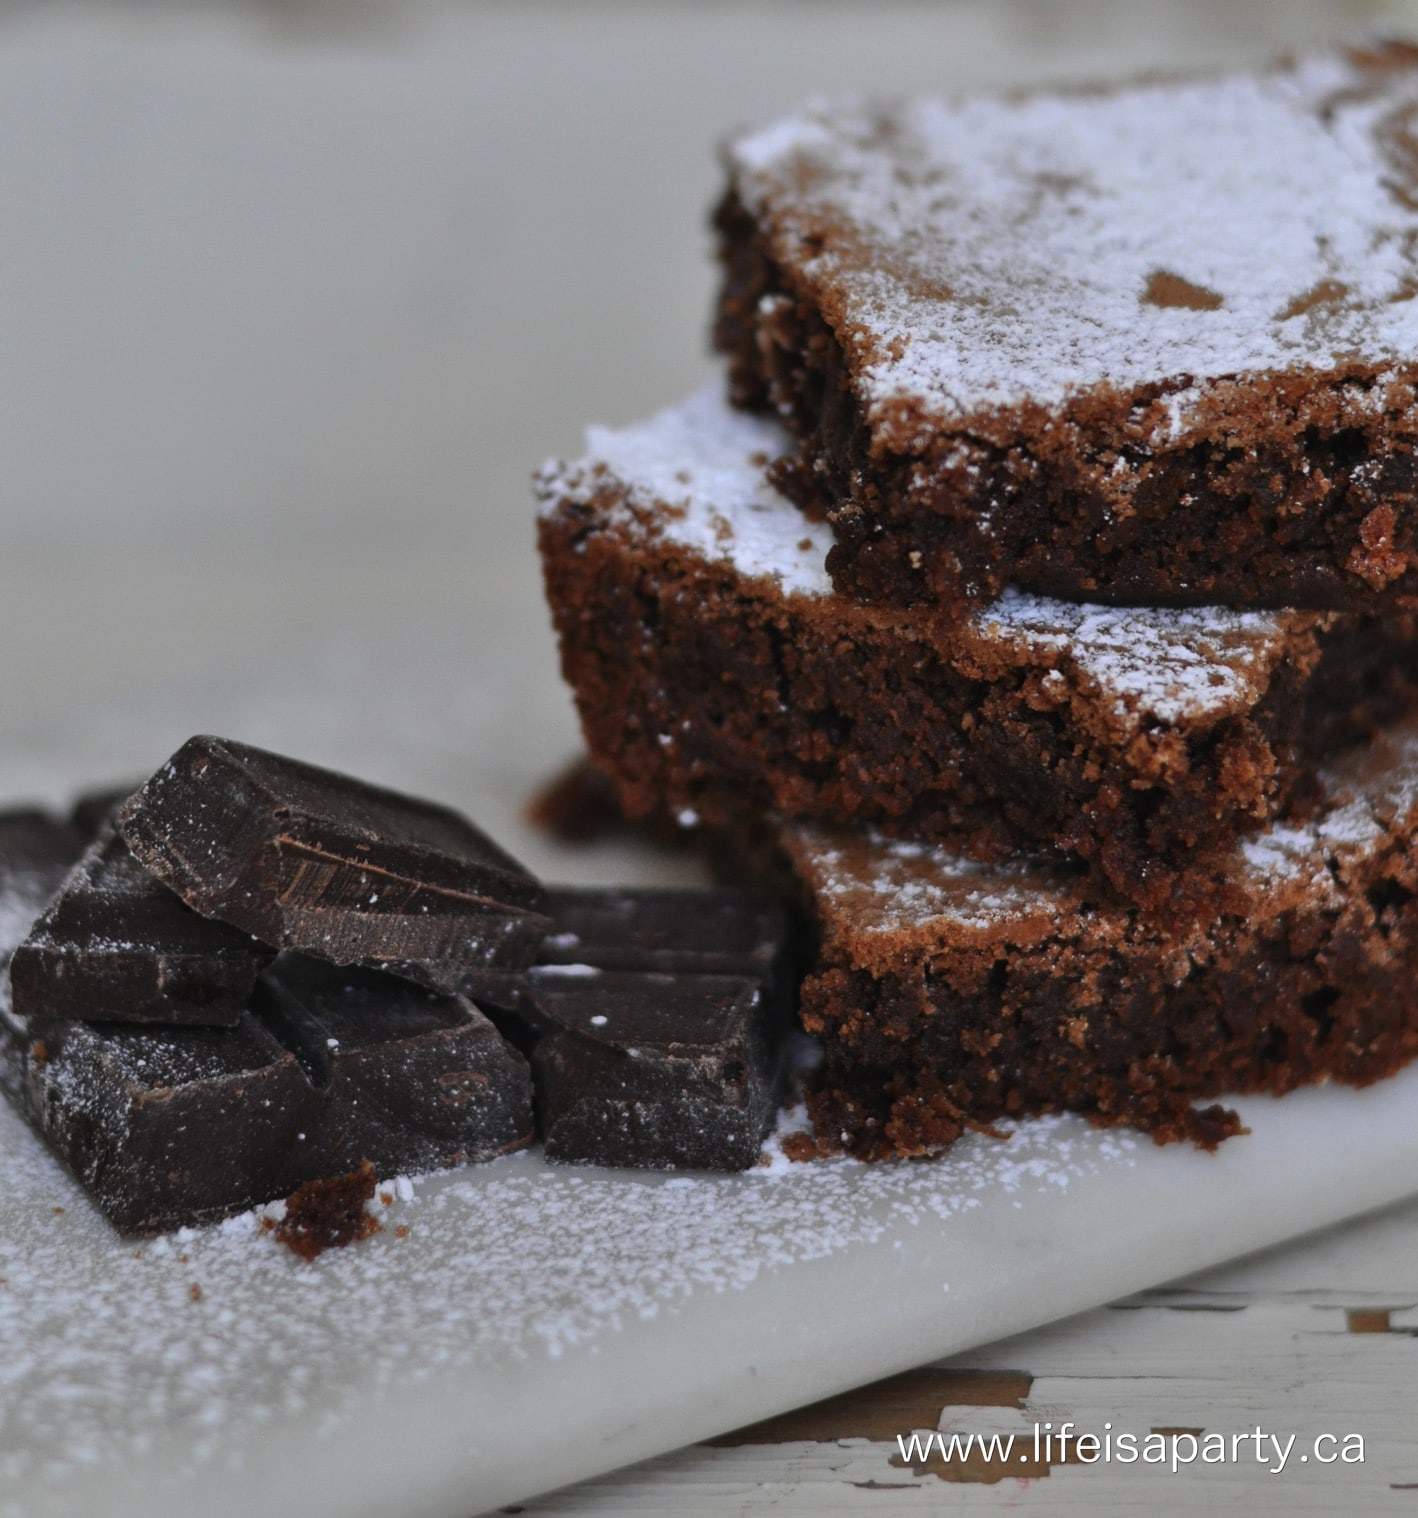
(1317, 1336)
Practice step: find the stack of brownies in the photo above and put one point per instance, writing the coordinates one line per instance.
(1041, 592)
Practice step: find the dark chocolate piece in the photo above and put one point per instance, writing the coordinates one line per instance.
(36, 852)
(115, 945)
(655, 1021)
(168, 1126)
(689, 932)
(172, 1126)
(303, 858)
(403, 1070)
(658, 1071)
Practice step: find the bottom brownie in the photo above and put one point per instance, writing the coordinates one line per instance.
(949, 994)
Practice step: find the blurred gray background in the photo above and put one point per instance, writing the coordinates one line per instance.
(293, 298)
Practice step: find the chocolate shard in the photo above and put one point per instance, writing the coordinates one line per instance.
(701, 932)
(409, 1078)
(304, 858)
(165, 1127)
(116, 946)
(715, 931)
(182, 1125)
(654, 1070)
(36, 852)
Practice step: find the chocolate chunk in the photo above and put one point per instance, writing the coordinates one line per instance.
(654, 1070)
(303, 858)
(172, 1126)
(36, 853)
(673, 931)
(115, 945)
(402, 1070)
(168, 1126)
(91, 810)
(699, 932)
(654, 1020)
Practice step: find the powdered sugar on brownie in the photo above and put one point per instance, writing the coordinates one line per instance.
(887, 885)
(979, 254)
(693, 475)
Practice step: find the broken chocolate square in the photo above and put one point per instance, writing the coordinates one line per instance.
(654, 1070)
(36, 852)
(303, 858)
(115, 945)
(701, 932)
(182, 1125)
(400, 1069)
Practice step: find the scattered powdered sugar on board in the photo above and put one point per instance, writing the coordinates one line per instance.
(993, 251)
(693, 476)
(103, 1341)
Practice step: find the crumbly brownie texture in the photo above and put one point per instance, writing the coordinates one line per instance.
(1150, 344)
(716, 671)
(949, 994)
(328, 1214)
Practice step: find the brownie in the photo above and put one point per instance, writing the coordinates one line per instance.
(949, 994)
(717, 672)
(1149, 344)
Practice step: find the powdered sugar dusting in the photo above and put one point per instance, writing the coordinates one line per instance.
(1167, 663)
(105, 1342)
(693, 476)
(995, 251)
(697, 468)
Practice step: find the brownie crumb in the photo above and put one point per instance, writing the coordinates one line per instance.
(577, 805)
(194, 1292)
(328, 1214)
(401, 1231)
(582, 805)
(801, 1147)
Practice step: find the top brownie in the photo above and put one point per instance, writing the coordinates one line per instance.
(1156, 343)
